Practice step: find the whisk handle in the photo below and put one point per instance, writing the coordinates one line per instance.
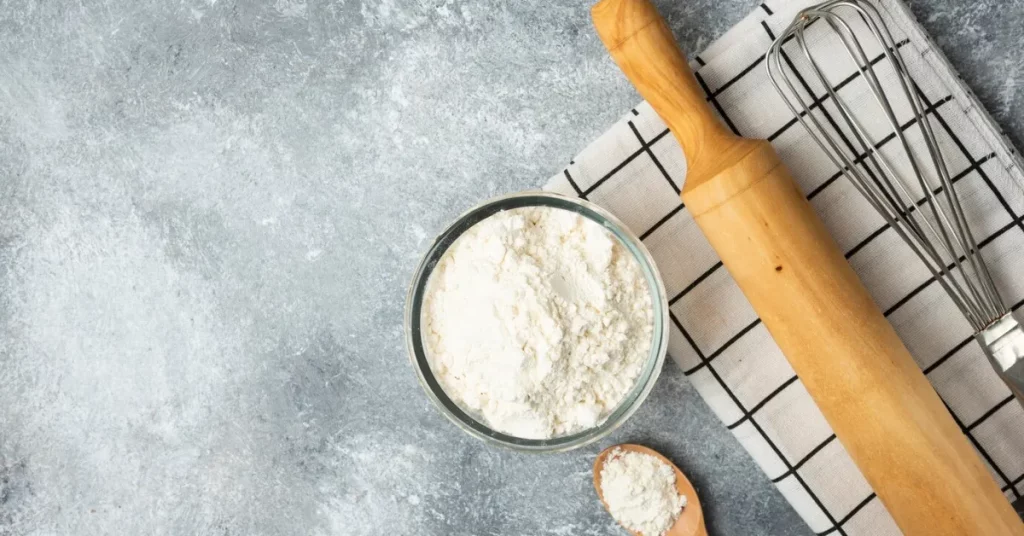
(642, 45)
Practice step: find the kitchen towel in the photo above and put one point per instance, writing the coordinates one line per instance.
(636, 170)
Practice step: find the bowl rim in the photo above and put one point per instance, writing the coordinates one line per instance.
(468, 422)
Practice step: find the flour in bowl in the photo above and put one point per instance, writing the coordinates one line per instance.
(539, 320)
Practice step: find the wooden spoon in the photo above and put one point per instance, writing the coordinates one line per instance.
(690, 521)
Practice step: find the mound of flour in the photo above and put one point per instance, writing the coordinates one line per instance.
(640, 491)
(539, 320)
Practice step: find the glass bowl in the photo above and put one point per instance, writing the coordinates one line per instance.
(476, 426)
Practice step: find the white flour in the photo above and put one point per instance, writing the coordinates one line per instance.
(640, 491)
(539, 320)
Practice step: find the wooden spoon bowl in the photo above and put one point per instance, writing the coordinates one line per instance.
(690, 521)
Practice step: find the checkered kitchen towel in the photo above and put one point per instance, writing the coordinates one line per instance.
(636, 170)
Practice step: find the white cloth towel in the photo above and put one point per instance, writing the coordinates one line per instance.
(636, 170)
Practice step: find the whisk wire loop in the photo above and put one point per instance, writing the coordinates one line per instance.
(932, 222)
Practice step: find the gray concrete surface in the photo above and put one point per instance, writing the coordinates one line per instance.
(209, 213)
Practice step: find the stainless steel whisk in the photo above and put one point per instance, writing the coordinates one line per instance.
(920, 205)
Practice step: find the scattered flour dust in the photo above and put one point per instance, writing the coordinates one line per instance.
(539, 320)
(640, 491)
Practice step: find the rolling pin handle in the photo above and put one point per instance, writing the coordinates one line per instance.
(642, 45)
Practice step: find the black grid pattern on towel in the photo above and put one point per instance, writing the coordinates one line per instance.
(653, 156)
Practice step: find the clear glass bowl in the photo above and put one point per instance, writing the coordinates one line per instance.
(470, 423)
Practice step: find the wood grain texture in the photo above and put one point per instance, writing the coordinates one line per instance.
(852, 362)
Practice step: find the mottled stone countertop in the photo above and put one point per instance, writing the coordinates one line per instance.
(210, 211)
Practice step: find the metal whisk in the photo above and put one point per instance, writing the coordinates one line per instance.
(920, 203)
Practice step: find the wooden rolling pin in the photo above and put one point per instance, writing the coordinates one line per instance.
(877, 400)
